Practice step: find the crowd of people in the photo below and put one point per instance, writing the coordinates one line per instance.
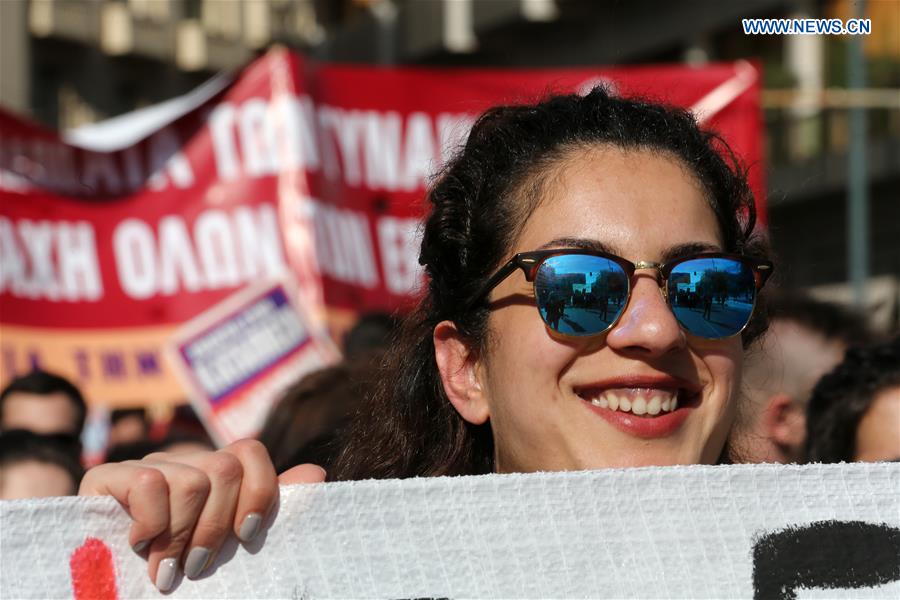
(43, 417)
(818, 387)
(475, 380)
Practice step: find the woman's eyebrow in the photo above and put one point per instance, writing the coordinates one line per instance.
(581, 243)
(670, 253)
(680, 250)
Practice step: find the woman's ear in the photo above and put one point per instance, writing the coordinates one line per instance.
(458, 365)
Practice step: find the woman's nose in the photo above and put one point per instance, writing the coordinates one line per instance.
(648, 325)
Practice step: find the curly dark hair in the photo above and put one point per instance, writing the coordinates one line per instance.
(843, 396)
(479, 204)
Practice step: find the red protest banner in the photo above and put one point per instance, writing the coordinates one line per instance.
(315, 169)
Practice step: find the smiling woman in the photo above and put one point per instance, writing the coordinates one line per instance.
(592, 279)
(624, 225)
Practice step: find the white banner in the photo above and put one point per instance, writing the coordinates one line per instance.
(745, 531)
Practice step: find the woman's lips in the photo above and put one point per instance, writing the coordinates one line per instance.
(646, 427)
(646, 412)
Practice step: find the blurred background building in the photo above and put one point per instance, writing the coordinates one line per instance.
(65, 63)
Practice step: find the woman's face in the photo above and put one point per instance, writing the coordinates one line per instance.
(538, 388)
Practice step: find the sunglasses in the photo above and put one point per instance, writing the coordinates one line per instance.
(584, 292)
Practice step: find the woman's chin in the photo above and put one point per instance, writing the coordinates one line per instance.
(643, 458)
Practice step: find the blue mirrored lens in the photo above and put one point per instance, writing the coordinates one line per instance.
(712, 297)
(579, 294)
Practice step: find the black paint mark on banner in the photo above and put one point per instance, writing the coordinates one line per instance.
(825, 554)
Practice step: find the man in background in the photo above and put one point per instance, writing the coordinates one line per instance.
(805, 340)
(43, 403)
(127, 426)
(37, 466)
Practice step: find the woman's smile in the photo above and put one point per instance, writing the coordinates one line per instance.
(648, 406)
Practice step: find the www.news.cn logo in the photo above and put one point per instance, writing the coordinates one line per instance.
(806, 26)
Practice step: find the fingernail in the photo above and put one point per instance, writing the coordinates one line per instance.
(250, 527)
(165, 574)
(140, 546)
(196, 562)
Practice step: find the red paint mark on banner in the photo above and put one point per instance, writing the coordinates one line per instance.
(93, 573)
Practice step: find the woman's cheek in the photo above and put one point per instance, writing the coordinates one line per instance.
(724, 367)
(729, 366)
(722, 363)
(521, 337)
(524, 361)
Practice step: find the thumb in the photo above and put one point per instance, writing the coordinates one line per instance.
(308, 473)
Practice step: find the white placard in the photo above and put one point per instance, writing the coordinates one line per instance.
(679, 532)
(237, 358)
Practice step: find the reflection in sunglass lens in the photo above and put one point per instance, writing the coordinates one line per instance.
(712, 297)
(580, 294)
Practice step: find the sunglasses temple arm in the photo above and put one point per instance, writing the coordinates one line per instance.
(504, 272)
(764, 273)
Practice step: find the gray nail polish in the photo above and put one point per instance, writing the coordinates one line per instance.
(250, 527)
(196, 561)
(165, 574)
(140, 546)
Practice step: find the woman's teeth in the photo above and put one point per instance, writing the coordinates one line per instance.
(652, 404)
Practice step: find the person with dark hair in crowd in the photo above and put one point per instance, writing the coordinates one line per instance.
(127, 426)
(805, 340)
(174, 443)
(185, 443)
(135, 450)
(371, 333)
(43, 403)
(184, 434)
(854, 412)
(559, 196)
(306, 424)
(35, 466)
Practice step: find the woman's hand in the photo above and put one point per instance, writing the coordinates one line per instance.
(184, 505)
